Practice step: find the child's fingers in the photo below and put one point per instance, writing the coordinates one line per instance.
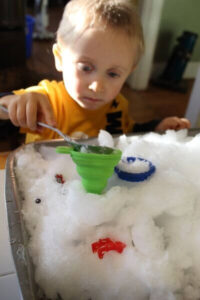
(185, 123)
(173, 123)
(47, 112)
(182, 123)
(31, 115)
(27, 109)
(12, 109)
(21, 115)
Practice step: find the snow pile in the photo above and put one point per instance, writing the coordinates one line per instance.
(158, 220)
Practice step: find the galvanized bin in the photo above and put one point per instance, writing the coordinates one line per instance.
(19, 236)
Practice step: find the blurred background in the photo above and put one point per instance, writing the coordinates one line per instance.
(162, 84)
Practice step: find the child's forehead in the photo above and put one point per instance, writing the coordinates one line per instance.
(98, 35)
(105, 46)
(104, 32)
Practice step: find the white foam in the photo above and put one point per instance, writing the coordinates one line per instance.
(158, 220)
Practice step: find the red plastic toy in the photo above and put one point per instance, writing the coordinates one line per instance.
(59, 178)
(105, 245)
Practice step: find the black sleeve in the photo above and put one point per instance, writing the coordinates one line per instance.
(6, 94)
(146, 127)
(6, 127)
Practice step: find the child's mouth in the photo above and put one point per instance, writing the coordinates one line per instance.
(92, 100)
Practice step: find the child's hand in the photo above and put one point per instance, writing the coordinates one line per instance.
(173, 123)
(27, 109)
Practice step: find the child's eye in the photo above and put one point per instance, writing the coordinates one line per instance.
(84, 67)
(113, 74)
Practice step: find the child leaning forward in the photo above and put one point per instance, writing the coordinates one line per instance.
(99, 43)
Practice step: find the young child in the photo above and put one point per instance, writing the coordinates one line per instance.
(99, 43)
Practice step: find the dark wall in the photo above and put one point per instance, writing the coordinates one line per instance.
(12, 33)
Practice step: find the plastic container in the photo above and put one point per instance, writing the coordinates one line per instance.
(135, 177)
(94, 169)
(30, 22)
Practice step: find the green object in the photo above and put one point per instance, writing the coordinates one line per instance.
(94, 168)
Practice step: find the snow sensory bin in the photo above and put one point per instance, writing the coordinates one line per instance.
(137, 240)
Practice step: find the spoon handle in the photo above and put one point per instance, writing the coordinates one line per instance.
(4, 108)
(65, 137)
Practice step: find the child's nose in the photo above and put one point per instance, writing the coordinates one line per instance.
(97, 86)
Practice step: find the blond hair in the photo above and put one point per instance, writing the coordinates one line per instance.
(117, 14)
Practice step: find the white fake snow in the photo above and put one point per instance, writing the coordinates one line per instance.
(158, 220)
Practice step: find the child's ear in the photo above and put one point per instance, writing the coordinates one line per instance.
(133, 67)
(57, 57)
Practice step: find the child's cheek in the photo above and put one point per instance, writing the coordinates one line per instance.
(78, 87)
(114, 91)
(78, 83)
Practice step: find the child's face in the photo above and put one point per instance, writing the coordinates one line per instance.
(96, 66)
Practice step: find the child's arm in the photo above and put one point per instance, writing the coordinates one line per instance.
(27, 109)
(162, 125)
(173, 123)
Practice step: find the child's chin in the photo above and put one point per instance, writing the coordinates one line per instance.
(90, 106)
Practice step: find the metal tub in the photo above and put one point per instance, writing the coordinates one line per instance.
(19, 236)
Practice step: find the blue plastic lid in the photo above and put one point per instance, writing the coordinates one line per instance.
(135, 177)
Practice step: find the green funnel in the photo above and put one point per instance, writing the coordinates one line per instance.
(94, 169)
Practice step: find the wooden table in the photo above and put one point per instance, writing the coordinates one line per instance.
(3, 157)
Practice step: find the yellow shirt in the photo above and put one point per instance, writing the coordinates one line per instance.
(76, 121)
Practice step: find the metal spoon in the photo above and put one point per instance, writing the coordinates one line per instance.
(76, 146)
